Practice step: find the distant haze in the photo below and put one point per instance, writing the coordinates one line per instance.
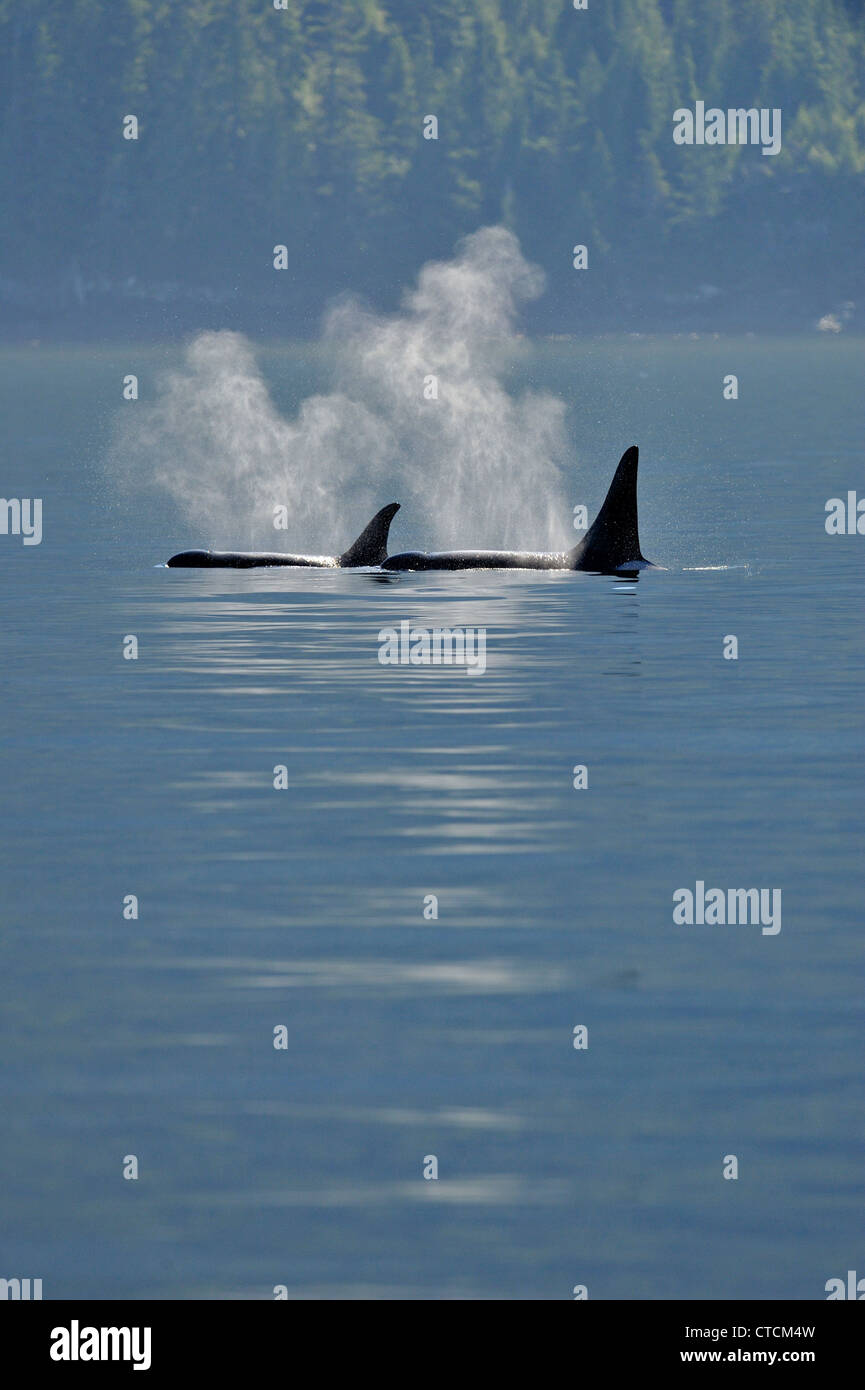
(153, 155)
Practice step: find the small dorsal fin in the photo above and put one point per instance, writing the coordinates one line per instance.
(370, 548)
(613, 539)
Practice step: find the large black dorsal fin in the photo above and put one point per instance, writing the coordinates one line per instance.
(370, 548)
(613, 539)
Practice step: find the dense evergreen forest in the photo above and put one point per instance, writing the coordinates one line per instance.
(304, 126)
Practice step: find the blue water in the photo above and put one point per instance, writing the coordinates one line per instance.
(409, 1037)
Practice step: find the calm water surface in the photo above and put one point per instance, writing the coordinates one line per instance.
(408, 1037)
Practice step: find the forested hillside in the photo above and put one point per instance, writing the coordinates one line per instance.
(305, 126)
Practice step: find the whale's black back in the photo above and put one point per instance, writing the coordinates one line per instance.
(610, 544)
(370, 548)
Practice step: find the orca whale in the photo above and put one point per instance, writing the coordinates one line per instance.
(611, 544)
(370, 548)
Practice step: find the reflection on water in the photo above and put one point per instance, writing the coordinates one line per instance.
(408, 1034)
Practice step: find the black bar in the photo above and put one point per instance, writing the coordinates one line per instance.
(225, 1338)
